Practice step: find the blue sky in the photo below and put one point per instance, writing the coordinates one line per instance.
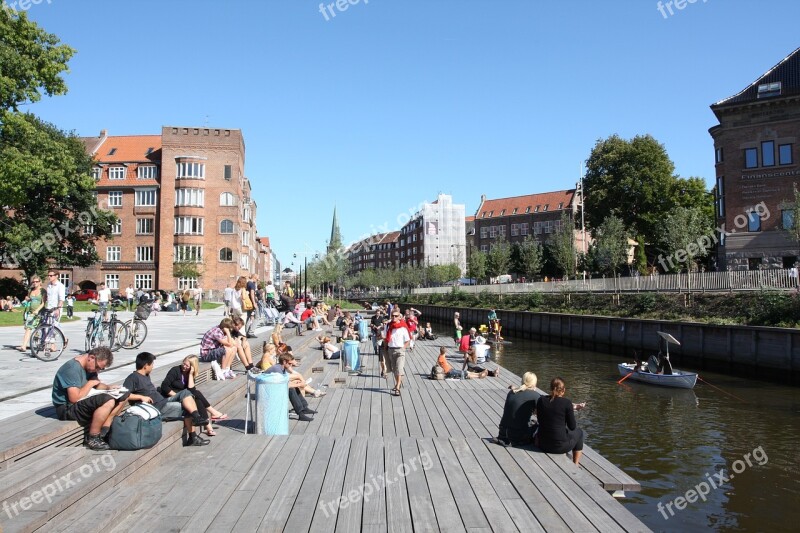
(393, 101)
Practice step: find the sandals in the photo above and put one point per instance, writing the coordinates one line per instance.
(395, 392)
(220, 417)
(211, 433)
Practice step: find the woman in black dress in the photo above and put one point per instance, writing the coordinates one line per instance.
(182, 377)
(558, 431)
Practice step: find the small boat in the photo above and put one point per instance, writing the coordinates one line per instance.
(649, 372)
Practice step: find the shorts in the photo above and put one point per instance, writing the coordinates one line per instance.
(215, 354)
(83, 411)
(458, 334)
(396, 361)
(184, 305)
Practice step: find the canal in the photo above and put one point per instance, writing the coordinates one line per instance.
(672, 441)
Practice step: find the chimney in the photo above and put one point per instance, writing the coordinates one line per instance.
(103, 133)
(483, 198)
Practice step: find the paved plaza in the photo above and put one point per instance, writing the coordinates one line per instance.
(25, 382)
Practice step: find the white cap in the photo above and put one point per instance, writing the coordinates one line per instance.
(480, 340)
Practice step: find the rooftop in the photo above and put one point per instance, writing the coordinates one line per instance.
(529, 203)
(782, 80)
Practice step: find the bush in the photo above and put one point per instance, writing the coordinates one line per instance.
(13, 287)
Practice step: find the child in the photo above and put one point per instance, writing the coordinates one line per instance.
(70, 301)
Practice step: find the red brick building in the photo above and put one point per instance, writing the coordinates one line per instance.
(756, 154)
(181, 197)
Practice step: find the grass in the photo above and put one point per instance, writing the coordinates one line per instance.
(14, 319)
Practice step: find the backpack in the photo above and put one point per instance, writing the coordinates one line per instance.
(437, 372)
(139, 426)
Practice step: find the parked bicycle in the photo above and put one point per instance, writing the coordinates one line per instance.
(98, 333)
(119, 330)
(47, 341)
(136, 329)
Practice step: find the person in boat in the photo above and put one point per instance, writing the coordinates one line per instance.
(516, 426)
(558, 430)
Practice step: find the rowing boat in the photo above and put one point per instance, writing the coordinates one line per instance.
(659, 371)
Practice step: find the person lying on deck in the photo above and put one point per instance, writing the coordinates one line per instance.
(452, 373)
(471, 363)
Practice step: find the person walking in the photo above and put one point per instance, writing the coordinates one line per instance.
(250, 322)
(129, 295)
(35, 301)
(56, 294)
(397, 339)
(198, 299)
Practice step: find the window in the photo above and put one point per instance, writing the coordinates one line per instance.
(536, 209)
(548, 226)
(227, 198)
(765, 90)
(491, 213)
(718, 155)
(112, 151)
(187, 283)
(188, 225)
(112, 281)
(484, 248)
(113, 253)
(116, 173)
(190, 171)
(144, 226)
(528, 209)
(785, 154)
(143, 281)
(245, 238)
(514, 230)
(228, 172)
(64, 278)
(189, 253)
(523, 228)
(144, 254)
(503, 212)
(114, 198)
(753, 221)
(246, 214)
(147, 172)
(226, 226)
(190, 197)
(514, 212)
(483, 215)
(116, 229)
(789, 261)
(768, 153)
(720, 197)
(88, 229)
(484, 232)
(145, 198)
(753, 263)
(787, 218)
(226, 255)
(545, 207)
(97, 173)
(537, 228)
(751, 158)
(493, 232)
(501, 230)
(244, 261)
(560, 205)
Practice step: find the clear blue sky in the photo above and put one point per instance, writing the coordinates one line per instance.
(393, 101)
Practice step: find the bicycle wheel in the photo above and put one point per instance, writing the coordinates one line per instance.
(137, 333)
(89, 335)
(48, 343)
(120, 334)
(103, 336)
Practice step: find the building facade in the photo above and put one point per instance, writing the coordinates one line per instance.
(756, 161)
(435, 235)
(187, 218)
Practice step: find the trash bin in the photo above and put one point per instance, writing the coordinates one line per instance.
(272, 403)
(351, 356)
(363, 330)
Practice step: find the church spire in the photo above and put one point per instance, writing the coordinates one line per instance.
(336, 236)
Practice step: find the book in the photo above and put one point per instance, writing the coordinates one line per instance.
(114, 393)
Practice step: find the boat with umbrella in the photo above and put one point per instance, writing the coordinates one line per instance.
(658, 369)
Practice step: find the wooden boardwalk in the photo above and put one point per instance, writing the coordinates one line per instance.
(370, 462)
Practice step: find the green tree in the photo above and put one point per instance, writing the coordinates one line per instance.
(632, 180)
(611, 245)
(498, 259)
(51, 211)
(31, 61)
(562, 247)
(640, 258)
(792, 206)
(529, 255)
(686, 234)
(476, 267)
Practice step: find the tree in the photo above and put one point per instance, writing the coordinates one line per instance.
(792, 207)
(611, 245)
(686, 234)
(499, 258)
(31, 61)
(631, 180)
(476, 269)
(640, 258)
(562, 246)
(529, 257)
(51, 210)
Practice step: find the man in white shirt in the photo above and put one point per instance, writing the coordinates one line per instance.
(103, 298)
(56, 294)
(227, 297)
(129, 294)
(481, 350)
(397, 342)
(270, 292)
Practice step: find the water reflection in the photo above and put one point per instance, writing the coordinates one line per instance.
(672, 440)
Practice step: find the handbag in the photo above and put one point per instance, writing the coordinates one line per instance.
(138, 427)
(247, 303)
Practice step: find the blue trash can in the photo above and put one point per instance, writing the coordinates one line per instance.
(272, 404)
(352, 357)
(363, 330)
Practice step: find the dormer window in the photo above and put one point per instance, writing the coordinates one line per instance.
(528, 209)
(112, 151)
(536, 209)
(503, 212)
(545, 207)
(490, 214)
(766, 90)
(561, 205)
(514, 212)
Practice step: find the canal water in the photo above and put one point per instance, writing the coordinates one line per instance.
(672, 440)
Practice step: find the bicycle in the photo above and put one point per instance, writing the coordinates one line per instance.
(98, 333)
(47, 341)
(136, 329)
(118, 328)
